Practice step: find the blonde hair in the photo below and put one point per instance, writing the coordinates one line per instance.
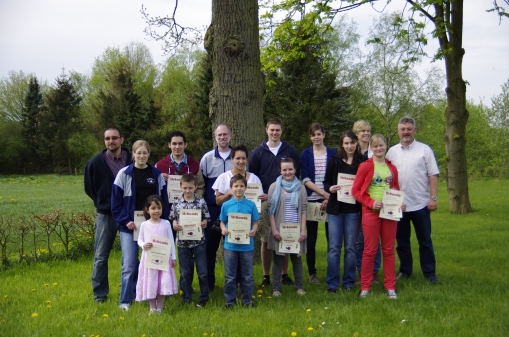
(139, 143)
(376, 139)
(360, 125)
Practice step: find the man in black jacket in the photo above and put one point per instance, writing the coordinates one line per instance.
(100, 172)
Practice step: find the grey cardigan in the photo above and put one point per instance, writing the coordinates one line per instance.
(279, 217)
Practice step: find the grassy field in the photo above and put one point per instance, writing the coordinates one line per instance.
(471, 299)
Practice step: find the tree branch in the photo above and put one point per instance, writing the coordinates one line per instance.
(422, 10)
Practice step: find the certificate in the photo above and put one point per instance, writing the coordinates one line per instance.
(190, 221)
(138, 219)
(345, 193)
(253, 191)
(158, 257)
(173, 187)
(315, 213)
(392, 201)
(239, 226)
(290, 233)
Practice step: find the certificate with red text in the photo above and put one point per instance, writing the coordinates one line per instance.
(158, 257)
(239, 226)
(173, 187)
(139, 217)
(345, 193)
(290, 233)
(253, 191)
(392, 201)
(190, 221)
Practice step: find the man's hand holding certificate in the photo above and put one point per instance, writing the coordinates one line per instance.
(253, 192)
(393, 205)
(190, 222)
(139, 217)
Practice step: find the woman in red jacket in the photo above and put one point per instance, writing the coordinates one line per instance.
(373, 177)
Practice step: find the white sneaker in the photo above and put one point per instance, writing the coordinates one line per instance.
(124, 307)
(392, 294)
(364, 293)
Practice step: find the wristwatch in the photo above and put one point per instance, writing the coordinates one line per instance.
(434, 198)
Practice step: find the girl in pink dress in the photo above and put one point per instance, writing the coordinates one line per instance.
(153, 284)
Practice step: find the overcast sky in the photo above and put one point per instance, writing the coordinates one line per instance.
(42, 36)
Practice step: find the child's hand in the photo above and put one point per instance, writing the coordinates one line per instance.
(377, 205)
(204, 223)
(147, 246)
(276, 235)
(177, 227)
(252, 233)
(302, 236)
(224, 231)
(173, 263)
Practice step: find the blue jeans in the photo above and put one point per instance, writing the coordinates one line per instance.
(422, 225)
(359, 250)
(105, 233)
(187, 258)
(129, 267)
(231, 261)
(343, 226)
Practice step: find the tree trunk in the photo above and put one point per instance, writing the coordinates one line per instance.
(456, 115)
(236, 97)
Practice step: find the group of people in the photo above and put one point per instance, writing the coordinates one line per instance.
(124, 186)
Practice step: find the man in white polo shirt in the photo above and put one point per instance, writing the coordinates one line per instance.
(418, 178)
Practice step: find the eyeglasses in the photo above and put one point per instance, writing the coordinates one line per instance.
(112, 138)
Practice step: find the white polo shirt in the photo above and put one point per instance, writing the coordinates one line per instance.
(415, 164)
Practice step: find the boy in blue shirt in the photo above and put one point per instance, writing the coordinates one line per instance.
(235, 254)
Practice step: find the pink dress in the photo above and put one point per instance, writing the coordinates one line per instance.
(152, 282)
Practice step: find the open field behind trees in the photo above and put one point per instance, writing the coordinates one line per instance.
(472, 299)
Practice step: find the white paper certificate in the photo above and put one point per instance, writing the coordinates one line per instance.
(138, 219)
(315, 213)
(190, 220)
(239, 226)
(345, 193)
(290, 233)
(392, 201)
(173, 186)
(158, 257)
(253, 191)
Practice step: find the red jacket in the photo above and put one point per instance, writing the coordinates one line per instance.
(166, 166)
(363, 179)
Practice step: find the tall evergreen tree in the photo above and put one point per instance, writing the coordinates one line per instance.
(30, 123)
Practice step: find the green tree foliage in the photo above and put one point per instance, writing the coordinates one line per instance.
(301, 87)
(12, 94)
(30, 123)
(58, 120)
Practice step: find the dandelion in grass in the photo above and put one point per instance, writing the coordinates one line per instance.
(5, 296)
(308, 310)
(143, 335)
(205, 334)
(269, 296)
(55, 283)
(212, 335)
(260, 291)
(35, 314)
(46, 284)
(105, 315)
(310, 328)
(253, 296)
(48, 306)
(121, 318)
(48, 302)
(294, 334)
(355, 334)
(259, 296)
(180, 292)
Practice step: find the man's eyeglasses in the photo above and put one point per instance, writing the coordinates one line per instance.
(112, 138)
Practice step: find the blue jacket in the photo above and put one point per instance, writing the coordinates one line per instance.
(307, 164)
(265, 165)
(123, 196)
(98, 180)
(212, 165)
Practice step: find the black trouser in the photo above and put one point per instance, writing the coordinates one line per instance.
(213, 240)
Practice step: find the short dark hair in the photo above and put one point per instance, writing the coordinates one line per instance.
(113, 128)
(275, 121)
(240, 147)
(188, 178)
(238, 177)
(150, 199)
(286, 160)
(315, 127)
(176, 133)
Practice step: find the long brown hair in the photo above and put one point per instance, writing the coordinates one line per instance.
(341, 151)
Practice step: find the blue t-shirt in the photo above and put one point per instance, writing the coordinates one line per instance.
(243, 206)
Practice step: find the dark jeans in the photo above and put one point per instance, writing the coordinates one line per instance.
(188, 257)
(359, 250)
(422, 225)
(105, 233)
(312, 233)
(212, 240)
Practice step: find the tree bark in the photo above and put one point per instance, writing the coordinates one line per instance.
(456, 114)
(236, 97)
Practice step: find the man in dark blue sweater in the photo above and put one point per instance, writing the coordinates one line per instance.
(100, 173)
(264, 162)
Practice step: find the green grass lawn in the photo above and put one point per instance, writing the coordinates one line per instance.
(471, 299)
